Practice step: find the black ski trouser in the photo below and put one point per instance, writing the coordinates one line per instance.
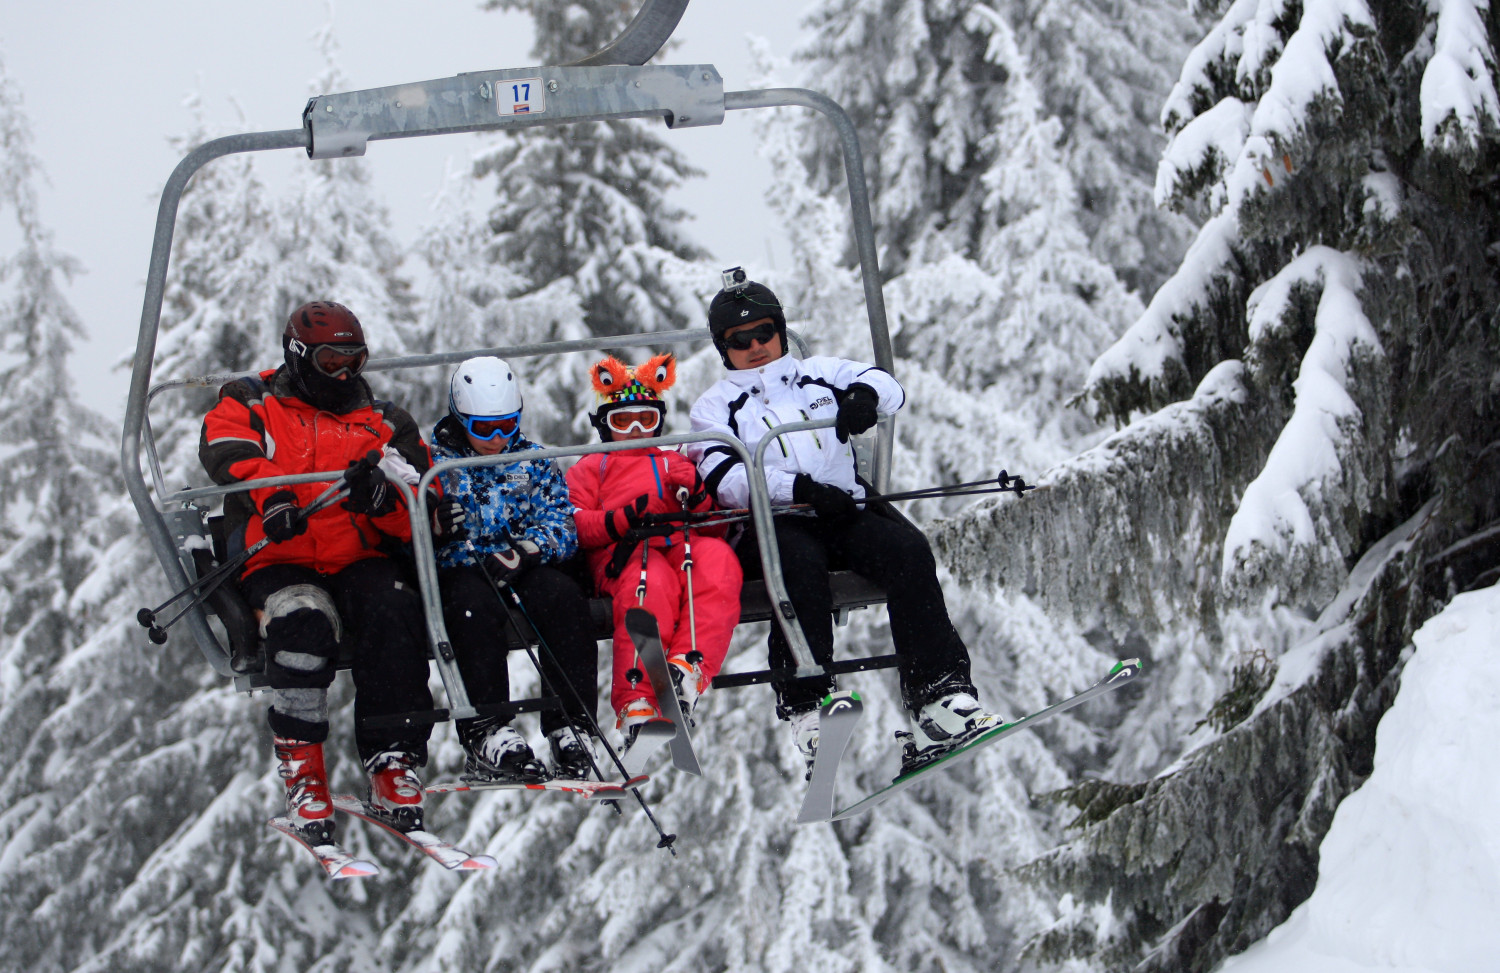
(477, 621)
(894, 555)
(380, 617)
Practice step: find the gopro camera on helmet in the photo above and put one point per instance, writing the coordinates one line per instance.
(734, 279)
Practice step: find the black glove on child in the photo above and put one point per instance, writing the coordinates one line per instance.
(448, 519)
(508, 565)
(369, 491)
(857, 411)
(628, 517)
(281, 518)
(828, 502)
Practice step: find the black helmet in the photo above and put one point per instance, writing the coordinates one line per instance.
(743, 303)
(325, 352)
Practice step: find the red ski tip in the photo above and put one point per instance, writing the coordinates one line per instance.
(477, 862)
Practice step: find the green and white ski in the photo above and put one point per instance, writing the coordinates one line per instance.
(1122, 673)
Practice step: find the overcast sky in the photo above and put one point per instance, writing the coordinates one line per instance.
(105, 86)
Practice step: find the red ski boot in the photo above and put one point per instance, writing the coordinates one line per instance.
(395, 790)
(307, 802)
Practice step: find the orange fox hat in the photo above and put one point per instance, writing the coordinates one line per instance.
(616, 383)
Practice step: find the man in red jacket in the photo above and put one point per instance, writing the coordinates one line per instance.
(611, 493)
(327, 580)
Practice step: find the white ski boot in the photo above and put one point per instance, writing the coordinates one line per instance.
(498, 754)
(805, 735)
(688, 680)
(574, 754)
(943, 725)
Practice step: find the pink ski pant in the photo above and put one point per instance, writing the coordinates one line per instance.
(716, 597)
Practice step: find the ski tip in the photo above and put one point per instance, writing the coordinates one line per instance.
(476, 863)
(1123, 664)
(605, 794)
(356, 869)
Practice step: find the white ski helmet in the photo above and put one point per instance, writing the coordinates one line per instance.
(484, 389)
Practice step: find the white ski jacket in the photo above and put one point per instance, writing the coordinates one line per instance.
(748, 403)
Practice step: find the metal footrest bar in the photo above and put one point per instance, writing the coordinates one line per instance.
(407, 721)
(733, 680)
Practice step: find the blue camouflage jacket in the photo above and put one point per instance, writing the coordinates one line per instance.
(527, 500)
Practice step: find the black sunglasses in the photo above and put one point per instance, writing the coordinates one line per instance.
(742, 340)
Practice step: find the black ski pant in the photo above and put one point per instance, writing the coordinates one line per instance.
(379, 619)
(477, 623)
(894, 555)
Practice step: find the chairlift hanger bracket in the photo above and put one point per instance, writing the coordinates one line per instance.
(685, 95)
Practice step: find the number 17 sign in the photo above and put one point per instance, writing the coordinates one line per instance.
(522, 96)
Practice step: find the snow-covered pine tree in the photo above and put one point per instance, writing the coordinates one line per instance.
(57, 466)
(1001, 207)
(586, 205)
(145, 847)
(335, 242)
(1309, 465)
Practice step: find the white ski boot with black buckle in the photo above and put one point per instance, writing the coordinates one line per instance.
(497, 754)
(574, 755)
(688, 681)
(805, 734)
(942, 725)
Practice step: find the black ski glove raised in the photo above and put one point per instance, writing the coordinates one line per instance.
(281, 518)
(857, 411)
(448, 518)
(828, 502)
(369, 491)
(508, 565)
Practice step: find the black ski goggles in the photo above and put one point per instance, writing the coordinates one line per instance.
(742, 340)
(337, 361)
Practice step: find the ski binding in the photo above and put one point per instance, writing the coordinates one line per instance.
(1122, 673)
(336, 862)
(440, 851)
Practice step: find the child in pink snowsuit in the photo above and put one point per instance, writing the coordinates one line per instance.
(610, 492)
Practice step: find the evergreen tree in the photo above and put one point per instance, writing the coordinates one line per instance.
(1308, 465)
(141, 825)
(586, 204)
(1001, 209)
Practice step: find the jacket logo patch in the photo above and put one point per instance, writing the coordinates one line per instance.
(820, 403)
(521, 479)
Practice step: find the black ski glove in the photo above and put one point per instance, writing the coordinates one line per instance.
(369, 491)
(281, 518)
(508, 565)
(828, 502)
(856, 411)
(448, 518)
(628, 517)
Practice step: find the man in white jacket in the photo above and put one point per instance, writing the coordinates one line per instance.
(766, 387)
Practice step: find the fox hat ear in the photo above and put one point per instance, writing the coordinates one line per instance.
(658, 373)
(609, 377)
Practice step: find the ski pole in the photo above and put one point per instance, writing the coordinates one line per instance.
(667, 840)
(633, 675)
(687, 568)
(203, 588)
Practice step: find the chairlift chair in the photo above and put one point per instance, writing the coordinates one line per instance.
(614, 82)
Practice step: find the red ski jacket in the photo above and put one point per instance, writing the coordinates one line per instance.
(261, 428)
(601, 483)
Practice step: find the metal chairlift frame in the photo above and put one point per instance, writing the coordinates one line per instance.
(612, 83)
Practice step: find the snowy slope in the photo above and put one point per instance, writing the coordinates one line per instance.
(1409, 878)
